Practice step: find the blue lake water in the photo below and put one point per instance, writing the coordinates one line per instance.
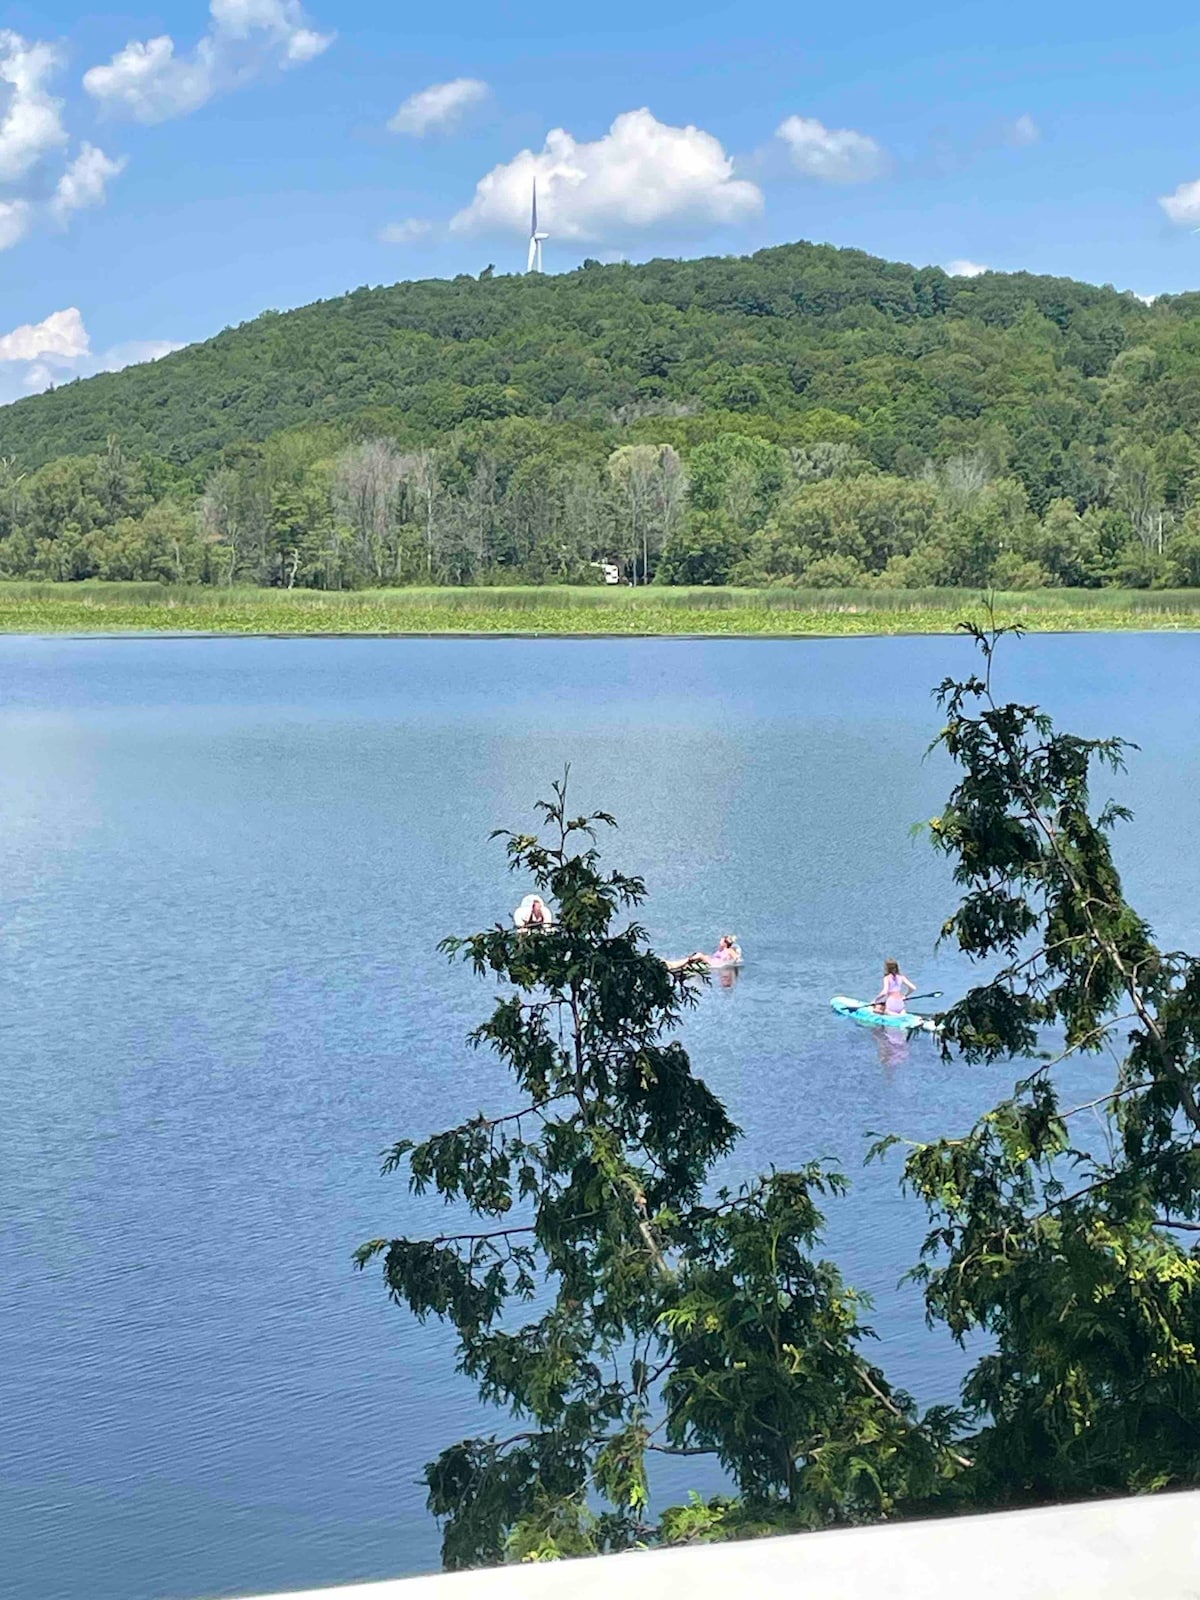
(224, 866)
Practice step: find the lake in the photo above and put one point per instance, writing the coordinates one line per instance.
(224, 868)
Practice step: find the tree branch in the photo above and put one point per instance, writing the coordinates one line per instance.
(682, 1450)
(465, 1238)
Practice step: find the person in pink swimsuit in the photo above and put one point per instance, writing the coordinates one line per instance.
(727, 954)
(893, 997)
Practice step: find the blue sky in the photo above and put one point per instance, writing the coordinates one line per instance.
(167, 171)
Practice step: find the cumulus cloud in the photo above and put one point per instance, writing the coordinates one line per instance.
(85, 182)
(15, 217)
(406, 232)
(282, 22)
(642, 174)
(31, 132)
(31, 124)
(1024, 130)
(62, 336)
(838, 155)
(38, 354)
(1183, 206)
(148, 81)
(966, 269)
(438, 108)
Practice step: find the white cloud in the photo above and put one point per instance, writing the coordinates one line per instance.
(85, 181)
(61, 337)
(31, 122)
(133, 353)
(838, 155)
(14, 222)
(57, 349)
(438, 108)
(642, 174)
(151, 83)
(406, 232)
(1183, 206)
(280, 20)
(1023, 131)
(31, 130)
(966, 269)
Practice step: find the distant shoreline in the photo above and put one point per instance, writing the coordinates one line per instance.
(141, 610)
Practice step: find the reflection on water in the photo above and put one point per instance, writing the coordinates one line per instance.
(224, 869)
(894, 1046)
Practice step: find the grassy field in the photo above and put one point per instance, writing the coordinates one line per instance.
(135, 607)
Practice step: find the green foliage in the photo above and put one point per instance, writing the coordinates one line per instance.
(767, 1372)
(1183, 552)
(705, 550)
(681, 1320)
(502, 399)
(50, 607)
(665, 1321)
(1058, 1230)
(864, 521)
(739, 475)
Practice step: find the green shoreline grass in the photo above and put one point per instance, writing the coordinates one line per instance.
(157, 608)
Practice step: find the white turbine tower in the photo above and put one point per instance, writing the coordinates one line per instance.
(534, 263)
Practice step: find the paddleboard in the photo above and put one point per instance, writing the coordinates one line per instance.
(866, 1016)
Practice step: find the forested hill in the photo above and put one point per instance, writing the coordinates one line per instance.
(915, 357)
(805, 415)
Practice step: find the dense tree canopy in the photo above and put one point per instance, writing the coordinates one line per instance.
(1016, 429)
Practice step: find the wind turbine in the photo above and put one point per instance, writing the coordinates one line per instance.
(534, 263)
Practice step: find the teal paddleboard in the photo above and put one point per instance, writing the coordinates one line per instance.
(866, 1016)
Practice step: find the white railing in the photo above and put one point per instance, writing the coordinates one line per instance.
(1140, 1549)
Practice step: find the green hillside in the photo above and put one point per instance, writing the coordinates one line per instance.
(778, 333)
(806, 415)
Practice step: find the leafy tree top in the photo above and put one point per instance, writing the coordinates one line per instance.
(665, 1317)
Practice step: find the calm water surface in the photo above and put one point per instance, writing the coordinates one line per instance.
(224, 866)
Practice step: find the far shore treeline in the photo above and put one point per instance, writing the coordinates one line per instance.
(805, 417)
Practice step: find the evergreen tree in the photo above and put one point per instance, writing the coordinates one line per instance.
(671, 1318)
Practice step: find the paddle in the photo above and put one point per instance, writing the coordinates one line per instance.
(930, 994)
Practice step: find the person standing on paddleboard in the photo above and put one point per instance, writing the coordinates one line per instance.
(896, 989)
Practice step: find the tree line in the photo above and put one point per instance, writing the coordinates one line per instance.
(805, 415)
(505, 502)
